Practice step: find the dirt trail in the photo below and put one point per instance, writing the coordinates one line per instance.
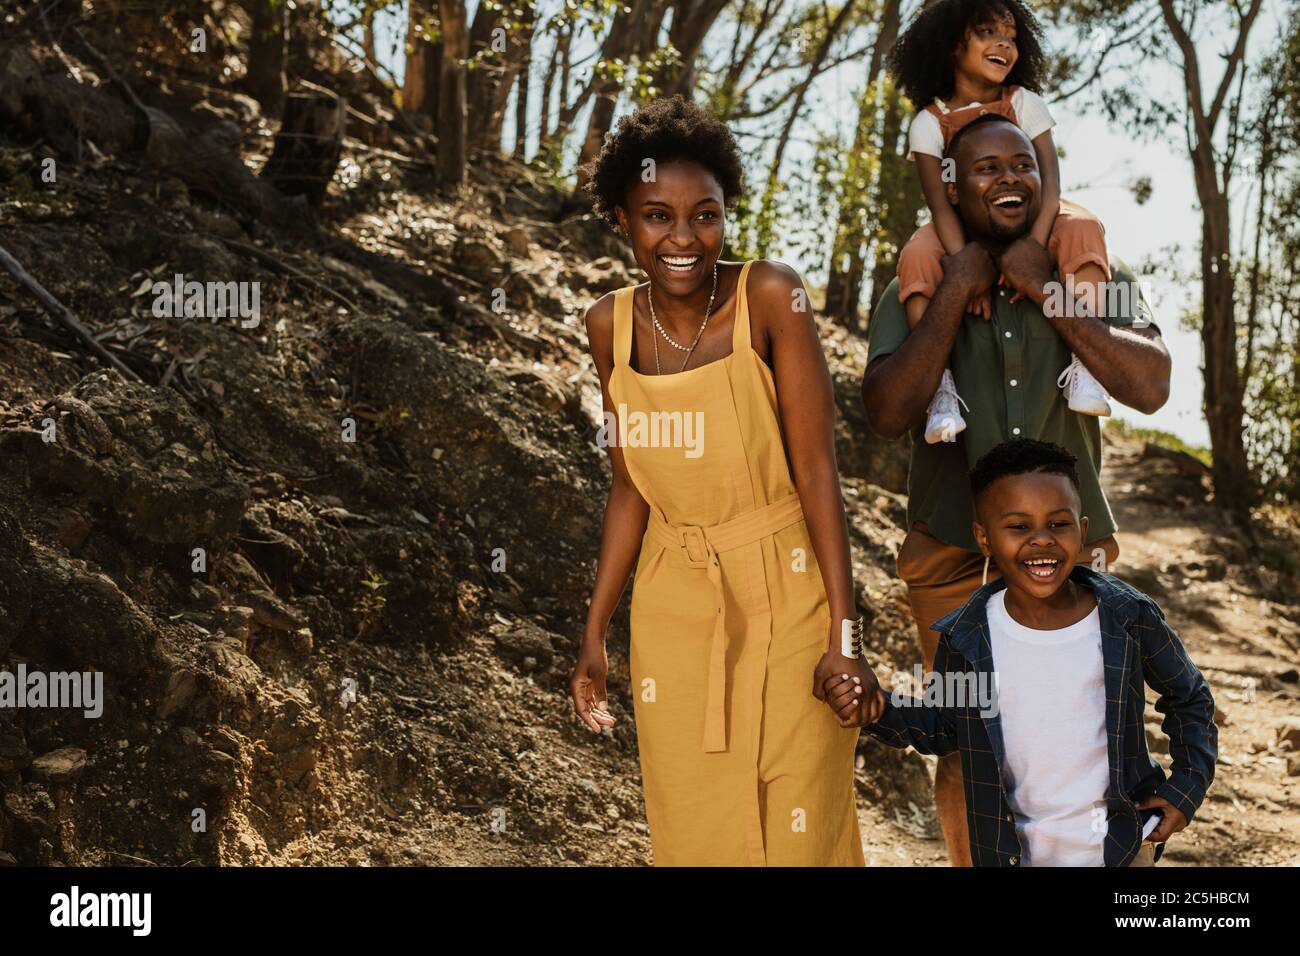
(1215, 593)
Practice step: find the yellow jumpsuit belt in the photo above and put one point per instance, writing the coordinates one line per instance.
(700, 548)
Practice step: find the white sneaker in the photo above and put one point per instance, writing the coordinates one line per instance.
(1082, 390)
(944, 420)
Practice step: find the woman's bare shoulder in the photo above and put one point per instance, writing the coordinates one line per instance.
(772, 275)
(773, 286)
(600, 314)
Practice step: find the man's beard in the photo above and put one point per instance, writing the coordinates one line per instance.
(1006, 233)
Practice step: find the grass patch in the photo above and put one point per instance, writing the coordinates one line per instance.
(1118, 426)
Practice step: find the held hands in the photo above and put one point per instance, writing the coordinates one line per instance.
(855, 698)
(854, 683)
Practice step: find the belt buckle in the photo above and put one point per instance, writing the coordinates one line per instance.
(693, 534)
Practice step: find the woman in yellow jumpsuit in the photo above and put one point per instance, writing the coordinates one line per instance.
(719, 423)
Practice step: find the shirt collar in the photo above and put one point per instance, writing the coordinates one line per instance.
(964, 626)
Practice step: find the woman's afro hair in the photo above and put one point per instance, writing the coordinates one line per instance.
(667, 129)
(923, 59)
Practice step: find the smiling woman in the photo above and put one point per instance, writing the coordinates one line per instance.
(743, 585)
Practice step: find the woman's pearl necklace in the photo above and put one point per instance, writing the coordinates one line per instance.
(662, 331)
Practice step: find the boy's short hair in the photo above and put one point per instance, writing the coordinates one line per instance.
(1022, 456)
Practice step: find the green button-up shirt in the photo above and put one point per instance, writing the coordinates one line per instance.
(1005, 370)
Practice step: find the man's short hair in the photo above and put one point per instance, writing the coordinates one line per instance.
(951, 151)
(1022, 456)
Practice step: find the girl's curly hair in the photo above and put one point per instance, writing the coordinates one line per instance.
(667, 129)
(922, 60)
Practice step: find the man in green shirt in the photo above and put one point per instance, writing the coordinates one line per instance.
(1006, 370)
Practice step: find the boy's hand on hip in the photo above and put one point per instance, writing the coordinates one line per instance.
(1171, 820)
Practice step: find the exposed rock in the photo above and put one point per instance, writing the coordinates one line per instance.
(59, 766)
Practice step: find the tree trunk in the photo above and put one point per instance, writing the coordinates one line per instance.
(482, 82)
(511, 66)
(551, 138)
(897, 195)
(1224, 385)
(309, 143)
(548, 89)
(267, 53)
(368, 36)
(848, 253)
(766, 218)
(423, 65)
(452, 128)
(621, 40)
(692, 20)
(522, 84)
(727, 97)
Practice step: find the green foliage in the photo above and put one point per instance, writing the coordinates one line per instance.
(1141, 188)
(1268, 285)
(1157, 437)
(372, 599)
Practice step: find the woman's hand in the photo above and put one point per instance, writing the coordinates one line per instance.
(856, 700)
(588, 685)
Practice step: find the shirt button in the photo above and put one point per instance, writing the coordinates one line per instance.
(1007, 334)
(1013, 383)
(1010, 818)
(1014, 860)
(1015, 431)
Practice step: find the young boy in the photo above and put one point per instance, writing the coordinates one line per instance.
(1038, 683)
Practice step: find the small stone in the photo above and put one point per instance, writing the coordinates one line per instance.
(59, 766)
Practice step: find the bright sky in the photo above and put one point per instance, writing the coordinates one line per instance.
(1099, 163)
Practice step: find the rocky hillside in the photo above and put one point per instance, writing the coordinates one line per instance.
(332, 565)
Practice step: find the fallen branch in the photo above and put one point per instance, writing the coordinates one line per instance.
(267, 259)
(62, 313)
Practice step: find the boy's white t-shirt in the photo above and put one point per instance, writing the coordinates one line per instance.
(1051, 695)
(925, 136)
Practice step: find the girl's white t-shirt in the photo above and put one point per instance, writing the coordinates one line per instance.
(1051, 696)
(925, 136)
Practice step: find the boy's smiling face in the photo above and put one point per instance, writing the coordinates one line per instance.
(1030, 525)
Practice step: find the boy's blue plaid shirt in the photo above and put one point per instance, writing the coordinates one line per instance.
(1137, 645)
